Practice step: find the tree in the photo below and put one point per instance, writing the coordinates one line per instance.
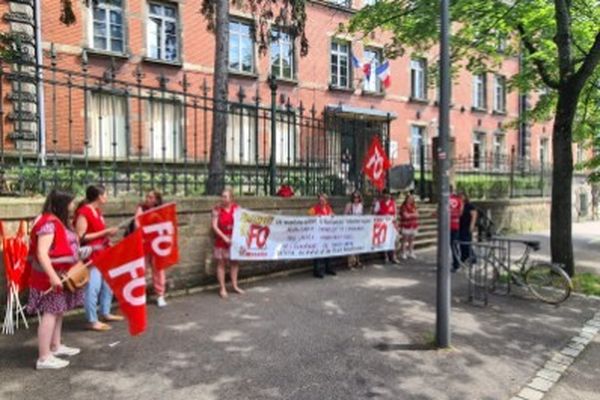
(290, 14)
(560, 44)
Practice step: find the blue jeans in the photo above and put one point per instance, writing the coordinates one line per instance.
(96, 290)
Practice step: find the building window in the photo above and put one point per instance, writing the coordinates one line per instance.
(372, 83)
(340, 66)
(417, 145)
(544, 151)
(418, 79)
(579, 155)
(499, 156)
(165, 129)
(501, 43)
(107, 29)
(479, 91)
(342, 3)
(282, 54)
(241, 135)
(499, 93)
(106, 121)
(369, 2)
(286, 150)
(478, 149)
(163, 32)
(241, 47)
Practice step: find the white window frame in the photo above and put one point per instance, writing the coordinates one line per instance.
(163, 20)
(106, 116)
(241, 38)
(338, 66)
(499, 146)
(287, 148)
(500, 93)
(108, 7)
(480, 91)
(418, 79)
(241, 138)
(417, 134)
(373, 84)
(478, 156)
(282, 39)
(162, 134)
(544, 150)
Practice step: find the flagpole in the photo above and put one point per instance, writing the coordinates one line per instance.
(443, 250)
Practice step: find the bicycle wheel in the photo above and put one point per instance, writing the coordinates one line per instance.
(549, 283)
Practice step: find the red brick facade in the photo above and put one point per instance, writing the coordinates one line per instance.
(310, 86)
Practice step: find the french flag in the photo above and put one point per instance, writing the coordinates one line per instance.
(384, 74)
(366, 68)
(356, 62)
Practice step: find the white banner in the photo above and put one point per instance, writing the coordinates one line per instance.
(258, 236)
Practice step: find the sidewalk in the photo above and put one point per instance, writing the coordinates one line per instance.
(361, 335)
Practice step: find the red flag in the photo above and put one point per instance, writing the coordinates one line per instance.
(376, 163)
(159, 227)
(123, 268)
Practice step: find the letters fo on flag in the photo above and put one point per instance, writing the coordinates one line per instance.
(123, 268)
(376, 163)
(159, 228)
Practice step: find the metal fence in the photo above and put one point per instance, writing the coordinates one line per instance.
(132, 131)
(488, 176)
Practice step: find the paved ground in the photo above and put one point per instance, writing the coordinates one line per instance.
(586, 244)
(361, 335)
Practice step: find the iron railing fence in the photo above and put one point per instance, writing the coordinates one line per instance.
(116, 126)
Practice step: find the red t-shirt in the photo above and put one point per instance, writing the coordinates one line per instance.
(321, 210)
(408, 216)
(386, 207)
(225, 224)
(455, 203)
(95, 223)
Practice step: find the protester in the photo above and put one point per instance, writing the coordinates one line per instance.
(386, 205)
(468, 220)
(92, 231)
(285, 190)
(354, 207)
(409, 225)
(456, 209)
(222, 224)
(53, 250)
(153, 199)
(322, 266)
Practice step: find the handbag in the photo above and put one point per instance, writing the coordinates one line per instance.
(76, 277)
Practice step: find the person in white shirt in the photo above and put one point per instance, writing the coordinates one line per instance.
(354, 207)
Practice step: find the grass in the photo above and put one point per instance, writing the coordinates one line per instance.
(587, 283)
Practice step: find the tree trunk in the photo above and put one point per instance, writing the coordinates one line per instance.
(562, 175)
(216, 167)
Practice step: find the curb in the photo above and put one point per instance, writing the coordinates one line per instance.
(556, 367)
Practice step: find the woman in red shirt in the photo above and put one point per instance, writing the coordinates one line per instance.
(159, 279)
(386, 205)
(322, 266)
(53, 250)
(92, 231)
(409, 225)
(222, 224)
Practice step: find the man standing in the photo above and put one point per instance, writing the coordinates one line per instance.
(456, 209)
(468, 220)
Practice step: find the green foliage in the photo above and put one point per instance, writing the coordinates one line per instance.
(587, 283)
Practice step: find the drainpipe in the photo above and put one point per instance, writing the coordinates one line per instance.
(522, 112)
(41, 110)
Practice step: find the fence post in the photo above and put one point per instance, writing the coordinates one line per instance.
(541, 175)
(272, 166)
(512, 172)
(422, 167)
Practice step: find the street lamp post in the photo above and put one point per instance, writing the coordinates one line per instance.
(443, 251)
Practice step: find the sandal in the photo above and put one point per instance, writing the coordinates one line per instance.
(112, 318)
(99, 327)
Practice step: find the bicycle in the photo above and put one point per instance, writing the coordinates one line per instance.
(546, 281)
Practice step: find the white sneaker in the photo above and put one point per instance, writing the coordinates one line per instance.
(66, 351)
(412, 255)
(403, 256)
(160, 301)
(51, 363)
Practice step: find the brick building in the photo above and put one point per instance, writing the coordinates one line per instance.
(115, 82)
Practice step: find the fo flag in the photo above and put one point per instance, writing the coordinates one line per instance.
(159, 228)
(123, 268)
(376, 163)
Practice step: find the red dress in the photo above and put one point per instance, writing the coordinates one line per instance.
(386, 207)
(95, 223)
(225, 224)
